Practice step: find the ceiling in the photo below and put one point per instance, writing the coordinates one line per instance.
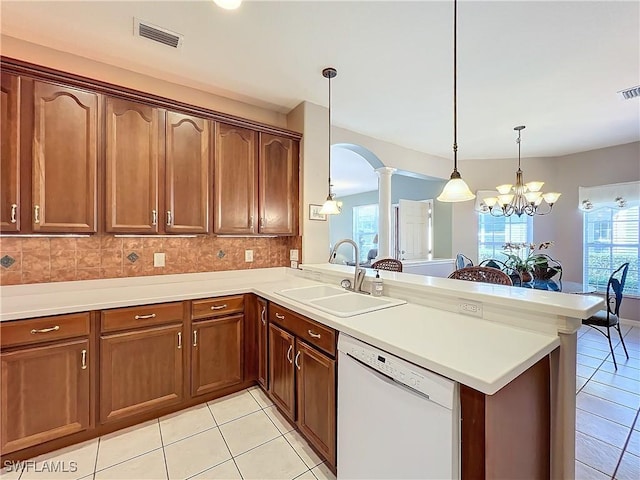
(552, 66)
(351, 173)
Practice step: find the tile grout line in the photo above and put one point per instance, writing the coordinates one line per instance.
(95, 464)
(164, 454)
(626, 444)
(233, 458)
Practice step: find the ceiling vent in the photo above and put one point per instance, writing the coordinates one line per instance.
(630, 92)
(157, 34)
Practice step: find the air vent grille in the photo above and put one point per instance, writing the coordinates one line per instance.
(157, 34)
(630, 92)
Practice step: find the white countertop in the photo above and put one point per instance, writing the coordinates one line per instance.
(481, 354)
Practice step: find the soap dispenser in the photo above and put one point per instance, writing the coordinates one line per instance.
(376, 285)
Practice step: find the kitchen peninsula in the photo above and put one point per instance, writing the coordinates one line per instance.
(518, 327)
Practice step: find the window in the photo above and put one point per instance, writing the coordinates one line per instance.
(494, 232)
(611, 238)
(365, 228)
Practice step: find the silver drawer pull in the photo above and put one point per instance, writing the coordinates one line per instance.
(314, 335)
(219, 307)
(154, 217)
(46, 330)
(195, 338)
(281, 317)
(84, 360)
(145, 317)
(179, 339)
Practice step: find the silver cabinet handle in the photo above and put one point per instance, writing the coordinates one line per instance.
(84, 360)
(145, 317)
(195, 338)
(296, 360)
(14, 211)
(218, 307)
(289, 354)
(314, 335)
(263, 316)
(36, 214)
(261, 222)
(154, 217)
(280, 317)
(251, 221)
(169, 218)
(46, 330)
(179, 339)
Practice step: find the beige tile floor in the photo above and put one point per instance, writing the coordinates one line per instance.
(242, 436)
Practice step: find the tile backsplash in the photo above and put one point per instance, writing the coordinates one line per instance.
(58, 259)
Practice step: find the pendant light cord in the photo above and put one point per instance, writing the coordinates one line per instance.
(455, 87)
(330, 136)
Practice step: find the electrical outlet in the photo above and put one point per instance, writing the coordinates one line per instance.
(293, 254)
(248, 255)
(470, 308)
(158, 259)
(294, 264)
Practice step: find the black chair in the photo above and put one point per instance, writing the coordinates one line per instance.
(463, 261)
(514, 274)
(609, 318)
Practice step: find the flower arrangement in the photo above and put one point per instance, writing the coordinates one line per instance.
(523, 257)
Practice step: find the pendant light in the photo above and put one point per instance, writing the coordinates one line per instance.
(228, 4)
(330, 206)
(456, 190)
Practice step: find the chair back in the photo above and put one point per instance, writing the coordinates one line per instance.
(615, 288)
(390, 264)
(515, 275)
(551, 270)
(463, 261)
(482, 274)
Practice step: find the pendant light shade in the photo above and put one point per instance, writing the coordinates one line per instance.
(330, 206)
(228, 4)
(456, 189)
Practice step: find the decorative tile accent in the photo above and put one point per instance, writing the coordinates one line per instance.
(133, 256)
(221, 254)
(7, 261)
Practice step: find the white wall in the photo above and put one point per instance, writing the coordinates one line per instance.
(564, 225)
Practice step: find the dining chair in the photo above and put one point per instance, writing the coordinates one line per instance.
(610, 316)
(463, 261)
(549, 270)
(482, 274)
(515, 275)
(390, 264)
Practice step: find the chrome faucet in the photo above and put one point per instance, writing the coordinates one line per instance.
(359, 274)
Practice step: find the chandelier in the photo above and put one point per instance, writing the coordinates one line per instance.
(520, 198)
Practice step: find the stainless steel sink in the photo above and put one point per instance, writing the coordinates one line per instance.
(337, 301)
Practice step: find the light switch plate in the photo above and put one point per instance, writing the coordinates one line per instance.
(158, 259)
(248, 255)
(293, 254)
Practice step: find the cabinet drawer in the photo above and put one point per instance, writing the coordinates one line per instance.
(304, 328)
(45, 329)
(216, 307)
(137, 317)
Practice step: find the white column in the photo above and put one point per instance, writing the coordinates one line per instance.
(384, 209)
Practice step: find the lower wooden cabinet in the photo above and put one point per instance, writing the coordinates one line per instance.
(140, 371)
(282, 370)
(45, 393)
(216, 354)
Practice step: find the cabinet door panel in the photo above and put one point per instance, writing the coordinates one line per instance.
(316, 389)
(235, 180)
(10, 161)
(263, 351)
(278, 185)
(64, 159)
(217, 354)
(187, 174)
(281, 370)
(140, 371)
(45, 393)
(131, 167)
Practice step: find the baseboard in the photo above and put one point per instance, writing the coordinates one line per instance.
(631, 323)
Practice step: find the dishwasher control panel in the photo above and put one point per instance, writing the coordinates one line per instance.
(432, 385)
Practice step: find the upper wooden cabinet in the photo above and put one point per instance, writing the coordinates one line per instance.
(133, 132)
(153, 155)
(50, 147)
(235, 180)
(255, 182)
(10, 160)
(278, 185)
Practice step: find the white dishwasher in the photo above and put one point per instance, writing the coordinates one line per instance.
(395, 420)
